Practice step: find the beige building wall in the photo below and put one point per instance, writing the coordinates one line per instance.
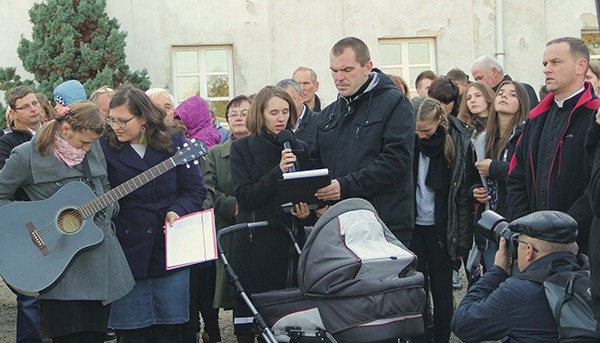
(270, 38)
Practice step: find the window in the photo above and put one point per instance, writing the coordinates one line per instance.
(407, 57)
(205, 71)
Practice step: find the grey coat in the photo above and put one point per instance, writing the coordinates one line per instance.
(100, 273)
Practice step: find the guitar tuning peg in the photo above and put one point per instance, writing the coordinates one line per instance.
(187, 165)
(178, 148)
(193, 140)
(185, 145)
(196, 162)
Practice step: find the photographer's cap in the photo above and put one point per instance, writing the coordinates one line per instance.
(550, 226)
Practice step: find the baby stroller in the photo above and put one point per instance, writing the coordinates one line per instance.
(357, 283)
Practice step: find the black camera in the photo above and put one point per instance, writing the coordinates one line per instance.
(492, 226)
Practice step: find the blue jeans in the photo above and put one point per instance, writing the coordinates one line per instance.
(28, 319)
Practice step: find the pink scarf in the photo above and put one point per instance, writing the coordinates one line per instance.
(65, 152)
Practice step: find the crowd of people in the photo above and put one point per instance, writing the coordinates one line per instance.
(429, 165)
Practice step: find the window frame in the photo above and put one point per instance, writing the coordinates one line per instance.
(202, 73)
(405, 64)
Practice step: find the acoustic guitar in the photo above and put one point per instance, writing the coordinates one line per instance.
(38, 239)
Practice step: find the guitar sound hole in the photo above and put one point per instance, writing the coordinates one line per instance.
(69, 221)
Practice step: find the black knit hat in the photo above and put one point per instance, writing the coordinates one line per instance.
(550, 226)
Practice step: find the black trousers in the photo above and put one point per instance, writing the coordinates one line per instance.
(436, 266)
(152, 334)
(81, 337)
(202, 293)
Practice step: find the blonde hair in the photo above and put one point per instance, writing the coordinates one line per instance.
(83, 115)
(430, 110)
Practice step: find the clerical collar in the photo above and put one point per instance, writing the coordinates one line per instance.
(560, 103)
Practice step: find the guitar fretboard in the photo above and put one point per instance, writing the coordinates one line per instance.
(92, 207)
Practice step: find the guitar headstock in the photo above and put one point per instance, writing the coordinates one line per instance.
(189, 152)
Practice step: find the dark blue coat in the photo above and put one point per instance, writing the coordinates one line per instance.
(308, 127)
(141, 219)
(498, 306)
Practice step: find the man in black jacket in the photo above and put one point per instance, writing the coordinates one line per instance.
(306, 124)
(25, 119)
(366, 138)
(549, 169)
(307, 78)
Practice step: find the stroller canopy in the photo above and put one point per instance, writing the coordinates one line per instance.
(357, 281)
(351, 252)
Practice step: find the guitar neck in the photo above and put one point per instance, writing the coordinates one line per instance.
(92, 207)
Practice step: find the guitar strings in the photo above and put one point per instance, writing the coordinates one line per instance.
(53, 230)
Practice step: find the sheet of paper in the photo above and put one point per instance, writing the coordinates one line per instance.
(191, 239)
(305, 173)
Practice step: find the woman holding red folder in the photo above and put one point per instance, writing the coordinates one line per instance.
(257, 162)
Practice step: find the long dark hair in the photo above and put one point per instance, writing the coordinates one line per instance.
(464, 114)
(495, 142)
(83, 115)
(139, 104)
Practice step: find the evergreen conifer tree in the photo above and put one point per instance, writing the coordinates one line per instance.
(73, 39)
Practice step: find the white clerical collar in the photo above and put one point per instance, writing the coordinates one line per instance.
(560, 103)
(304, 109)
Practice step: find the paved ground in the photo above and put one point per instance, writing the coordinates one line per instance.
(8, 314)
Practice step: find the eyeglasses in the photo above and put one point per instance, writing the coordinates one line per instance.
(516, 239)
(33, 104)
(120, 122)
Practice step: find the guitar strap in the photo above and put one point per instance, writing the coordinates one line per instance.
(88, 175)
(95, 182)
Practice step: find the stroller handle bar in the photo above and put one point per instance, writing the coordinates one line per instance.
(257, 225)
(266, 333)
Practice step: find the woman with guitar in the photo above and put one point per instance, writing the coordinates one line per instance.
(136, 140)
(62, 153)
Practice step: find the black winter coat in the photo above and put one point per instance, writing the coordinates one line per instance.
(11, 140)
(454, 209)
(254, 162)
(307, 128)
(367, 142)
(569, 174)
(592, 145)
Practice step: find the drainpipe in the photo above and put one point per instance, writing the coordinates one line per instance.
(500, 31)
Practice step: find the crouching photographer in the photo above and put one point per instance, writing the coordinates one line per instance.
(514, 308)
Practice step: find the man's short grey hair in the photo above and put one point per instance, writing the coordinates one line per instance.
(287, 83)
(154, 92)
(487, 63)
(302, 68)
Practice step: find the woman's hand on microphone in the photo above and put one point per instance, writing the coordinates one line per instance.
(287, 160)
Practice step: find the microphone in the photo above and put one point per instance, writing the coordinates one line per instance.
(285, 138)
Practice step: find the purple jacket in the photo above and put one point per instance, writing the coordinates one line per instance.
(194, 114)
